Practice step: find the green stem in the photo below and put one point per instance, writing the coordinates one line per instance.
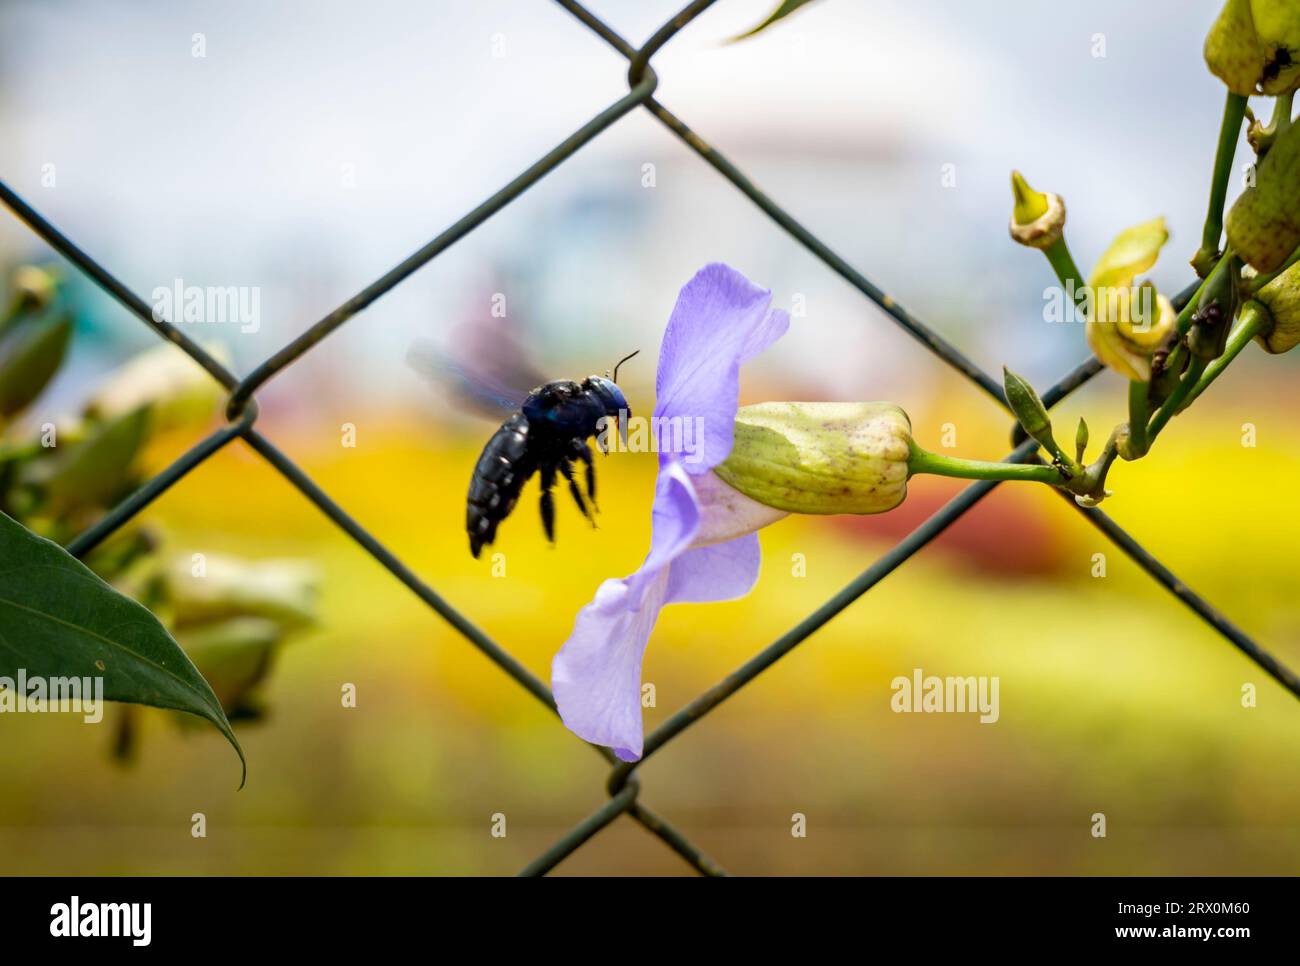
(923, 461)
(1277, 125)
(1254, 320)
(1234, 111)
(1067, 272)
(1139, 412)
(1175, 401)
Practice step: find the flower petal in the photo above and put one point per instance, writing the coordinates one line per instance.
(596, 676)
(726, 513)
(1108, 345)
(721, 319)
(674, 523)
(1133, 251)
(721, 571)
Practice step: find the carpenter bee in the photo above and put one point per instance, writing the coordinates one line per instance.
(546, 433)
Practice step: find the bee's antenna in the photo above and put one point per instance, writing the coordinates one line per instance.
(623, 360)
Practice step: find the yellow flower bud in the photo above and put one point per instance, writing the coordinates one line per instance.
(1233, 51)
(1281, 297)
(1038, 219)
(1252, 47)
(1124, 332)
(1277, 22)
(1264, 223)
(821, 457)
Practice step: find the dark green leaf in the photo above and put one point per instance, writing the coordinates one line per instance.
(57, 619)
(784, 10)
(31, 351)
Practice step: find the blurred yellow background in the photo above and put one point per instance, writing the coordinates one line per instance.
(1114, 697)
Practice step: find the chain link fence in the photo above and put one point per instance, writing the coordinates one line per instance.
(623, 787)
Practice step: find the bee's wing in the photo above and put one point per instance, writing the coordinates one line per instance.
(484, 365)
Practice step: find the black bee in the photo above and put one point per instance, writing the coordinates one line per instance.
(548, 435)
(488, 370)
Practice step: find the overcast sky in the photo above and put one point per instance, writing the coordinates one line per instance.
(315, 144)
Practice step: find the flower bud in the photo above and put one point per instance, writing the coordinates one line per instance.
(1232, 48)
(1081, 440)
(234, 656)
(177, 389)
(32, 348)
(1281, 298)
(1277, 24)
(1264, 223)
(98, 469)
(283, 591)
(1038, 219)
(1251, 47)
(821, 457)
(1027, 406)
(1122, 331)
(34, 287)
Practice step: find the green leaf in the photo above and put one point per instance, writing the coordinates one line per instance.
(57, 619)
(780, 13)
(31, 351)
(94, 470)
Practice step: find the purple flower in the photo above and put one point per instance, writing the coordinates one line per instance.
(703, 544)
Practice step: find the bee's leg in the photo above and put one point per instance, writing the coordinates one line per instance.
(566, 468)
(582, 450)
(548, 501)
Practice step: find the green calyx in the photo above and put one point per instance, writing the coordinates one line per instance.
(832, 457)
(821, 457)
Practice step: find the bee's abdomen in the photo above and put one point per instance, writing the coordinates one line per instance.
(502, 470)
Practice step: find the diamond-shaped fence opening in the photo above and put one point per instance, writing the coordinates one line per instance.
(623, 787)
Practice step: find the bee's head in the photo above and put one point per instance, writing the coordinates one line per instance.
(610, 396)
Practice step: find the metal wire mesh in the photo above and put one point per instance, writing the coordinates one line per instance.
(623, 787)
